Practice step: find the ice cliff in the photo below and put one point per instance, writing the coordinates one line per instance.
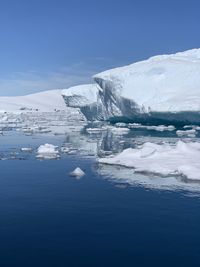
(165, 87)
(86, 97)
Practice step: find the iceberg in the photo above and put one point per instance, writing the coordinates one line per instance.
(77, 172)
(163, 88)
(47, 151)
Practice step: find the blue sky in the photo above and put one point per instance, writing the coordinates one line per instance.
(46, 44)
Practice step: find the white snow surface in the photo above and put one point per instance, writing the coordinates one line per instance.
(166, 83)
(45, 101)
(164, 159)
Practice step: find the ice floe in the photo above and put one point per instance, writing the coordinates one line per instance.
(164, 159)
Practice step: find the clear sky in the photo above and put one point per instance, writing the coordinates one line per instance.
(46, 44)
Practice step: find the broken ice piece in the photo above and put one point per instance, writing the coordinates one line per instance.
(77, 172)
(26, 149)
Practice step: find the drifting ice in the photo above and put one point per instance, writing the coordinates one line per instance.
(164, 159)
(77, 172)
(47, 151)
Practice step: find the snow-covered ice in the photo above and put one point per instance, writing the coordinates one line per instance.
(47, 151)
(26, 149)
(120, 130)
(85, 97)
(95, 130)
(80, 95)
(46, 101)
(164, 159)
(159, 128)
(163, 87)
(188, 133)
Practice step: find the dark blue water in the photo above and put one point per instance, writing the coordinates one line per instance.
(51, 219)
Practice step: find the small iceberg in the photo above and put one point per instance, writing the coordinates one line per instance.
(160, 128)
(26, 149)
(77, 172)
(186, 133)
(47, 151)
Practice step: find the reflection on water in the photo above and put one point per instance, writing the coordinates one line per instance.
(22, 134)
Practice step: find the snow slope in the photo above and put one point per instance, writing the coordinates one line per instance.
(161, 85)
(46, 101)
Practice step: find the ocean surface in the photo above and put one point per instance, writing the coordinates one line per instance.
(111, 216)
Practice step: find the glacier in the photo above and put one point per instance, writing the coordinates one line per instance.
(45, 101)
(163, 88)
(49, 102)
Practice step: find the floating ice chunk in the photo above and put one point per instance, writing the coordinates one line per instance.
(45, 101)
(194, 127)
(159, 128)
(188, 127)
(64, 149)
(162, 128)
(26, 149)
(120, 131)
(72, 152)
(165, 159)
(47, 151)
(120, 124)
(81, 95)
(95, 130)
(77, 172)
(188, 133)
